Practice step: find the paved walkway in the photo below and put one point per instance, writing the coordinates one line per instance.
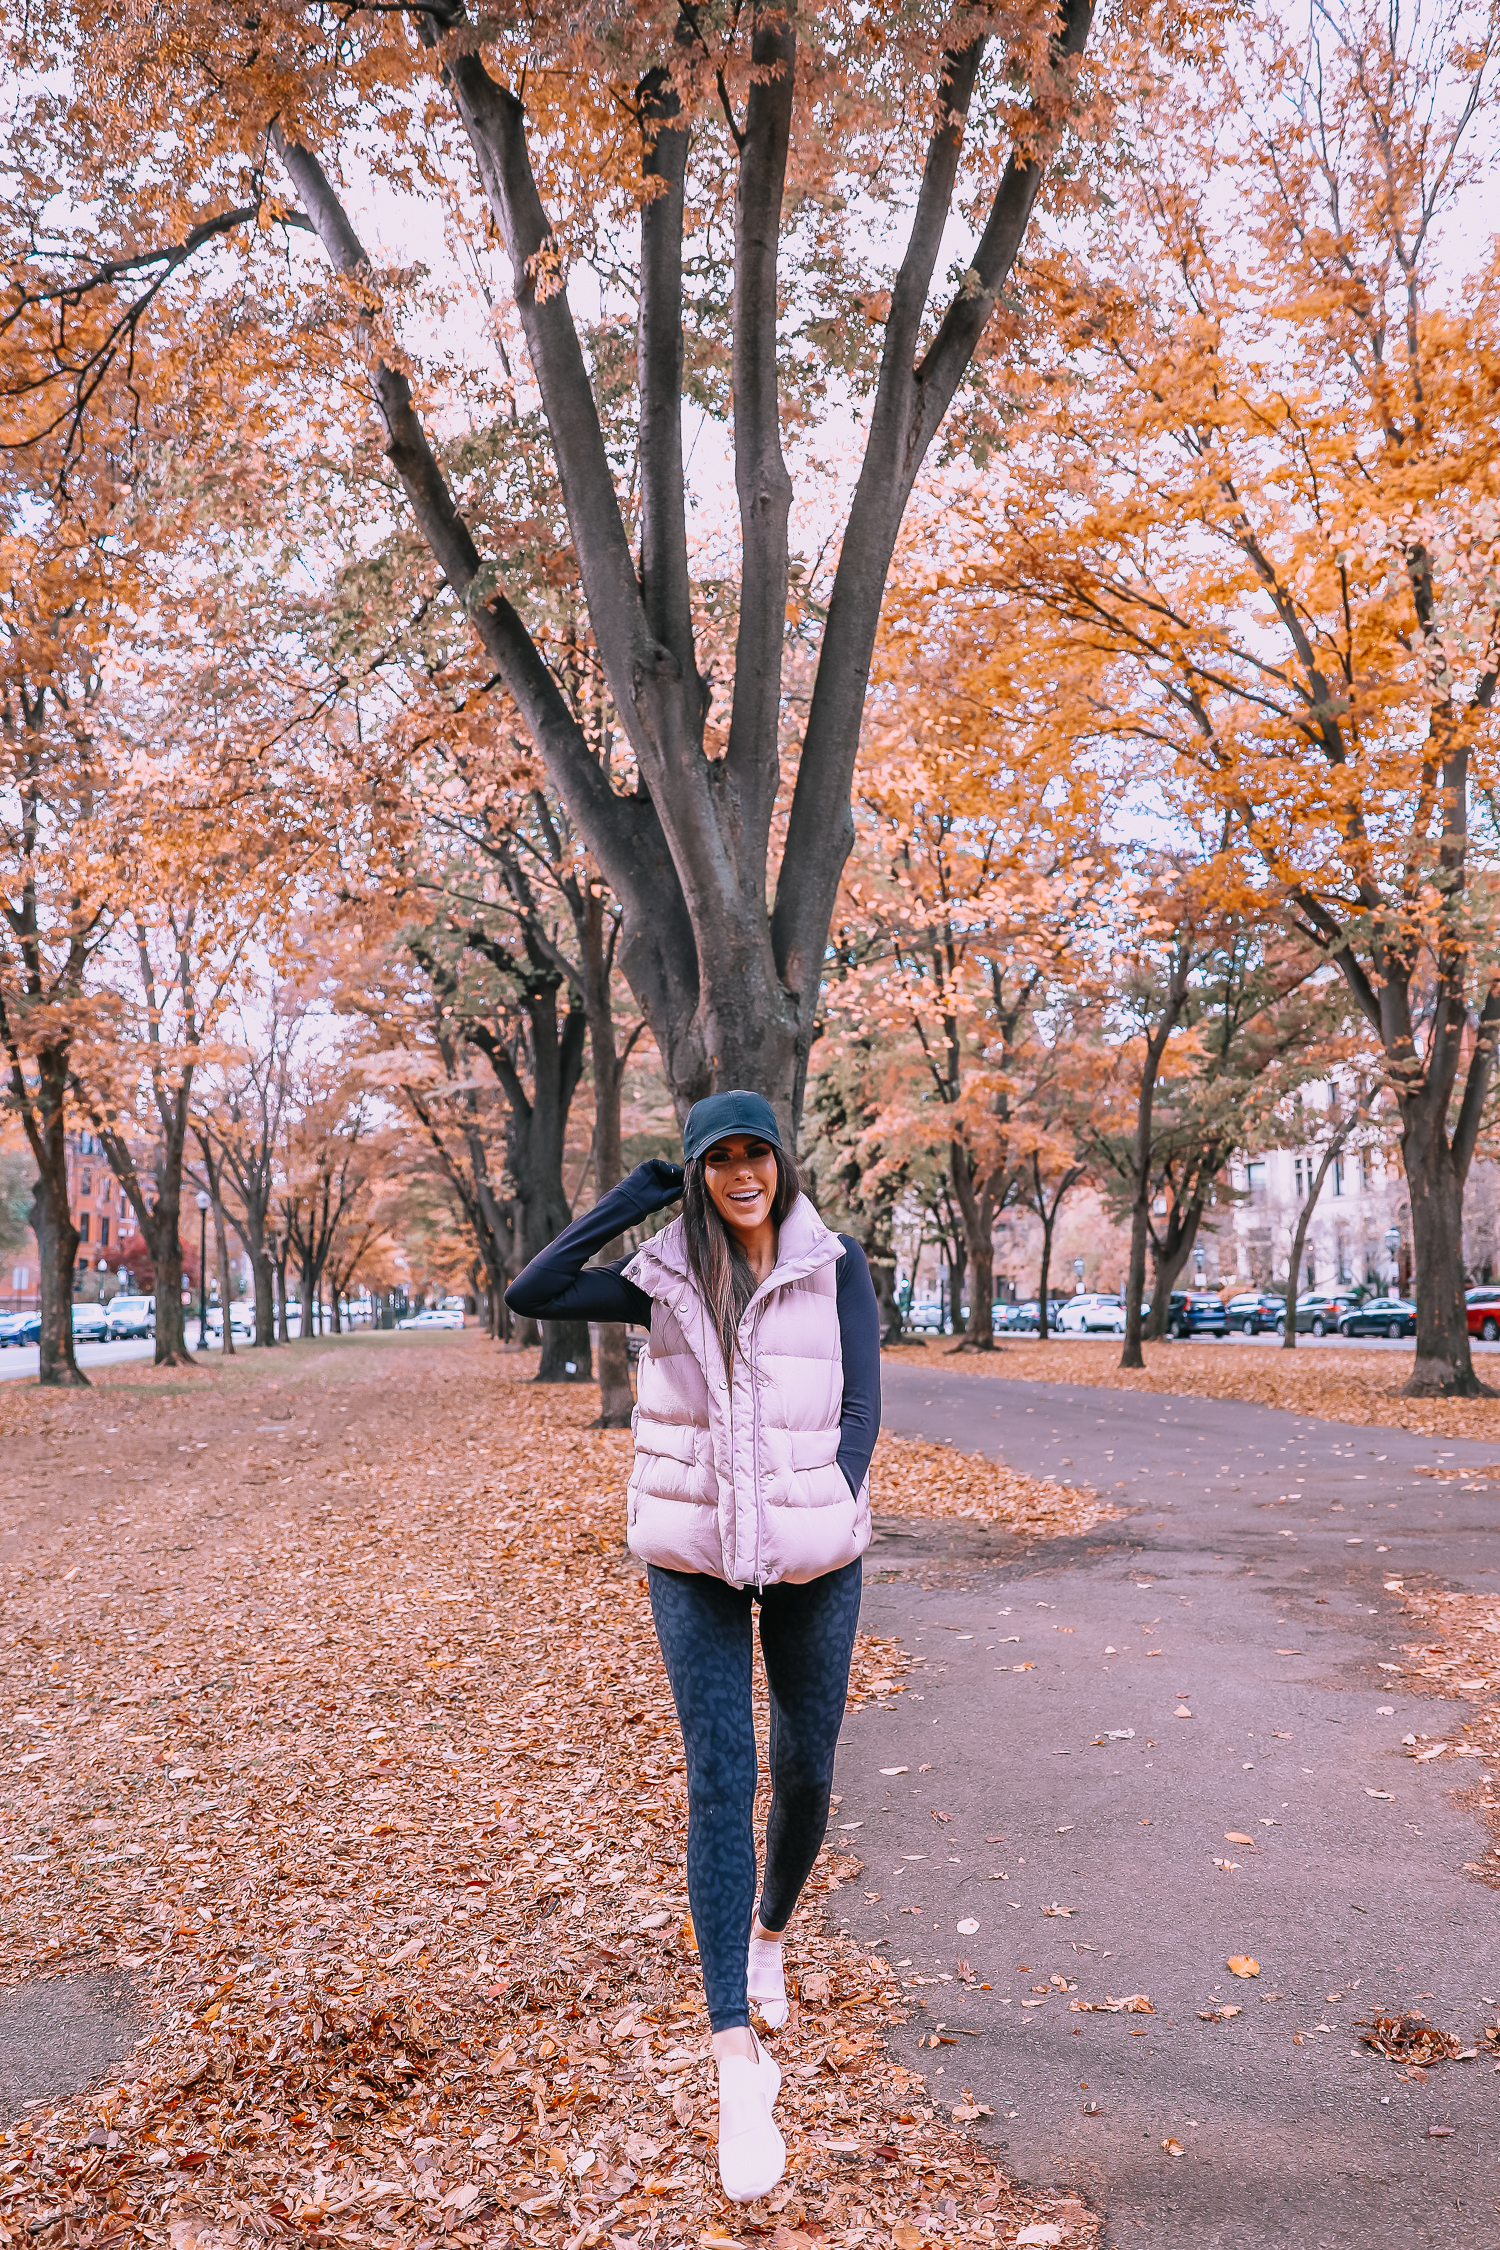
(1246, 1586)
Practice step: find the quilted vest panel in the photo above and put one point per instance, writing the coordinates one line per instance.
(736, 1472)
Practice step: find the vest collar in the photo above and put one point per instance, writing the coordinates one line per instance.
(803, 1244)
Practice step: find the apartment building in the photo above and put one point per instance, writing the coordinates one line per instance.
(99, 1208)
(1363, 1197)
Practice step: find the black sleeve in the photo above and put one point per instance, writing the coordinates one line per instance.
(859, 1336)
(555, 1287)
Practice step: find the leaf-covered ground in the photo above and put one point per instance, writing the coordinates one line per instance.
(335, 1722)
(1344, 1385)
(1458, 1657)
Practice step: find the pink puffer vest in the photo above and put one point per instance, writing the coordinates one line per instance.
(738, 1478)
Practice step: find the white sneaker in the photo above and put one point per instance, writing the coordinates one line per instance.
(767, 1982)
(752, 2153)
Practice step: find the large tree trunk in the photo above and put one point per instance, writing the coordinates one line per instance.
(221, 1261)
(171, 1321)
(1444, 1367)
(263, 1281)
(976, 1212)
(1044, 1283)
(731, 991)
(536, 1131)
(57, 1250)
(616, 1398)
(1173, 1001)
(160, 1217)
(882, 1263)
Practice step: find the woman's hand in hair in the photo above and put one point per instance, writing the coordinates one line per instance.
(657, 1182)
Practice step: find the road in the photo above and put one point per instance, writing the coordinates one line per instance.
(1247, 1588)
(23, 1360)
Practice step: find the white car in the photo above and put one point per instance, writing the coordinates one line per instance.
(438, 1316)
(131, 1316)
(241, 1321)
(1092, 1314)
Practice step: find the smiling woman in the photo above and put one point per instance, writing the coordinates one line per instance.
(758, 1410)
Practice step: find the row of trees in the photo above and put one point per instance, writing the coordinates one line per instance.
(362, 590)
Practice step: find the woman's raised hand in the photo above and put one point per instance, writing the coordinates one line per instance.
(661, 1179)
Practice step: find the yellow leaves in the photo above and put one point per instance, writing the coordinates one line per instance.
(1242, 1965)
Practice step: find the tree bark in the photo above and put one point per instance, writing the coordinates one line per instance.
(730, 990)
(1174, 999)
(536, 1131)
(57, 1251)
(213, 1181)
(596, 933)
(1044, 1283)
(1435, 1183)
(976, 1211)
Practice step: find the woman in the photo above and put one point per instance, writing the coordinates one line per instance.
(759, 1404)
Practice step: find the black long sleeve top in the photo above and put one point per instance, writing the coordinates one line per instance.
(557, 1285)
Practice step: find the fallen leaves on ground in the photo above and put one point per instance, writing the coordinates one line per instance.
(1341, 1385)
(338, 1729)
(1458, 1657)
(1242, 1965)
(1219, 2015)
(1133, 2004)
(1408, 2039)
(909, 1477)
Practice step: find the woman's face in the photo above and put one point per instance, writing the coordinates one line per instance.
(740, 1174)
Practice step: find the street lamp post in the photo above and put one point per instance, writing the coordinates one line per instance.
(202, 1271)
(1393, 1248)
(1078, 1273)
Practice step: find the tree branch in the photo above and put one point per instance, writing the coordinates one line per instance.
(624, 834)
(1477, 1084)
(909, 405)
(659, 352)
(760, 473)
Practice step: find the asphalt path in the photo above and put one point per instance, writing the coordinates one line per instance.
(1043, 1758)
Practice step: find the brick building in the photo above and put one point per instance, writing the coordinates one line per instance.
(99, 1208)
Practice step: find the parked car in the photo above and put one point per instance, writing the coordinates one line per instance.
(1319, 1310)
(927, 1315)
(131, 1316)
(241, 1321)
(90, 1324)
(437, 1316)
(1253, 1310)
(1484, 1313)
(1092, 1313)
(1195, 1312)
(13, 1326)
(1379, 1316)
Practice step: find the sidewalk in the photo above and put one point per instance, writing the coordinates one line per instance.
(1047, 1759)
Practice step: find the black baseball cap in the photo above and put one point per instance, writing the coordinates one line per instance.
(719, 1115)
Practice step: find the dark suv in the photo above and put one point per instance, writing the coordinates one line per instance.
(1195, 1312)
(1255, 1310)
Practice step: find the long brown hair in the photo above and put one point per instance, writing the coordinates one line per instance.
(720, 1267)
